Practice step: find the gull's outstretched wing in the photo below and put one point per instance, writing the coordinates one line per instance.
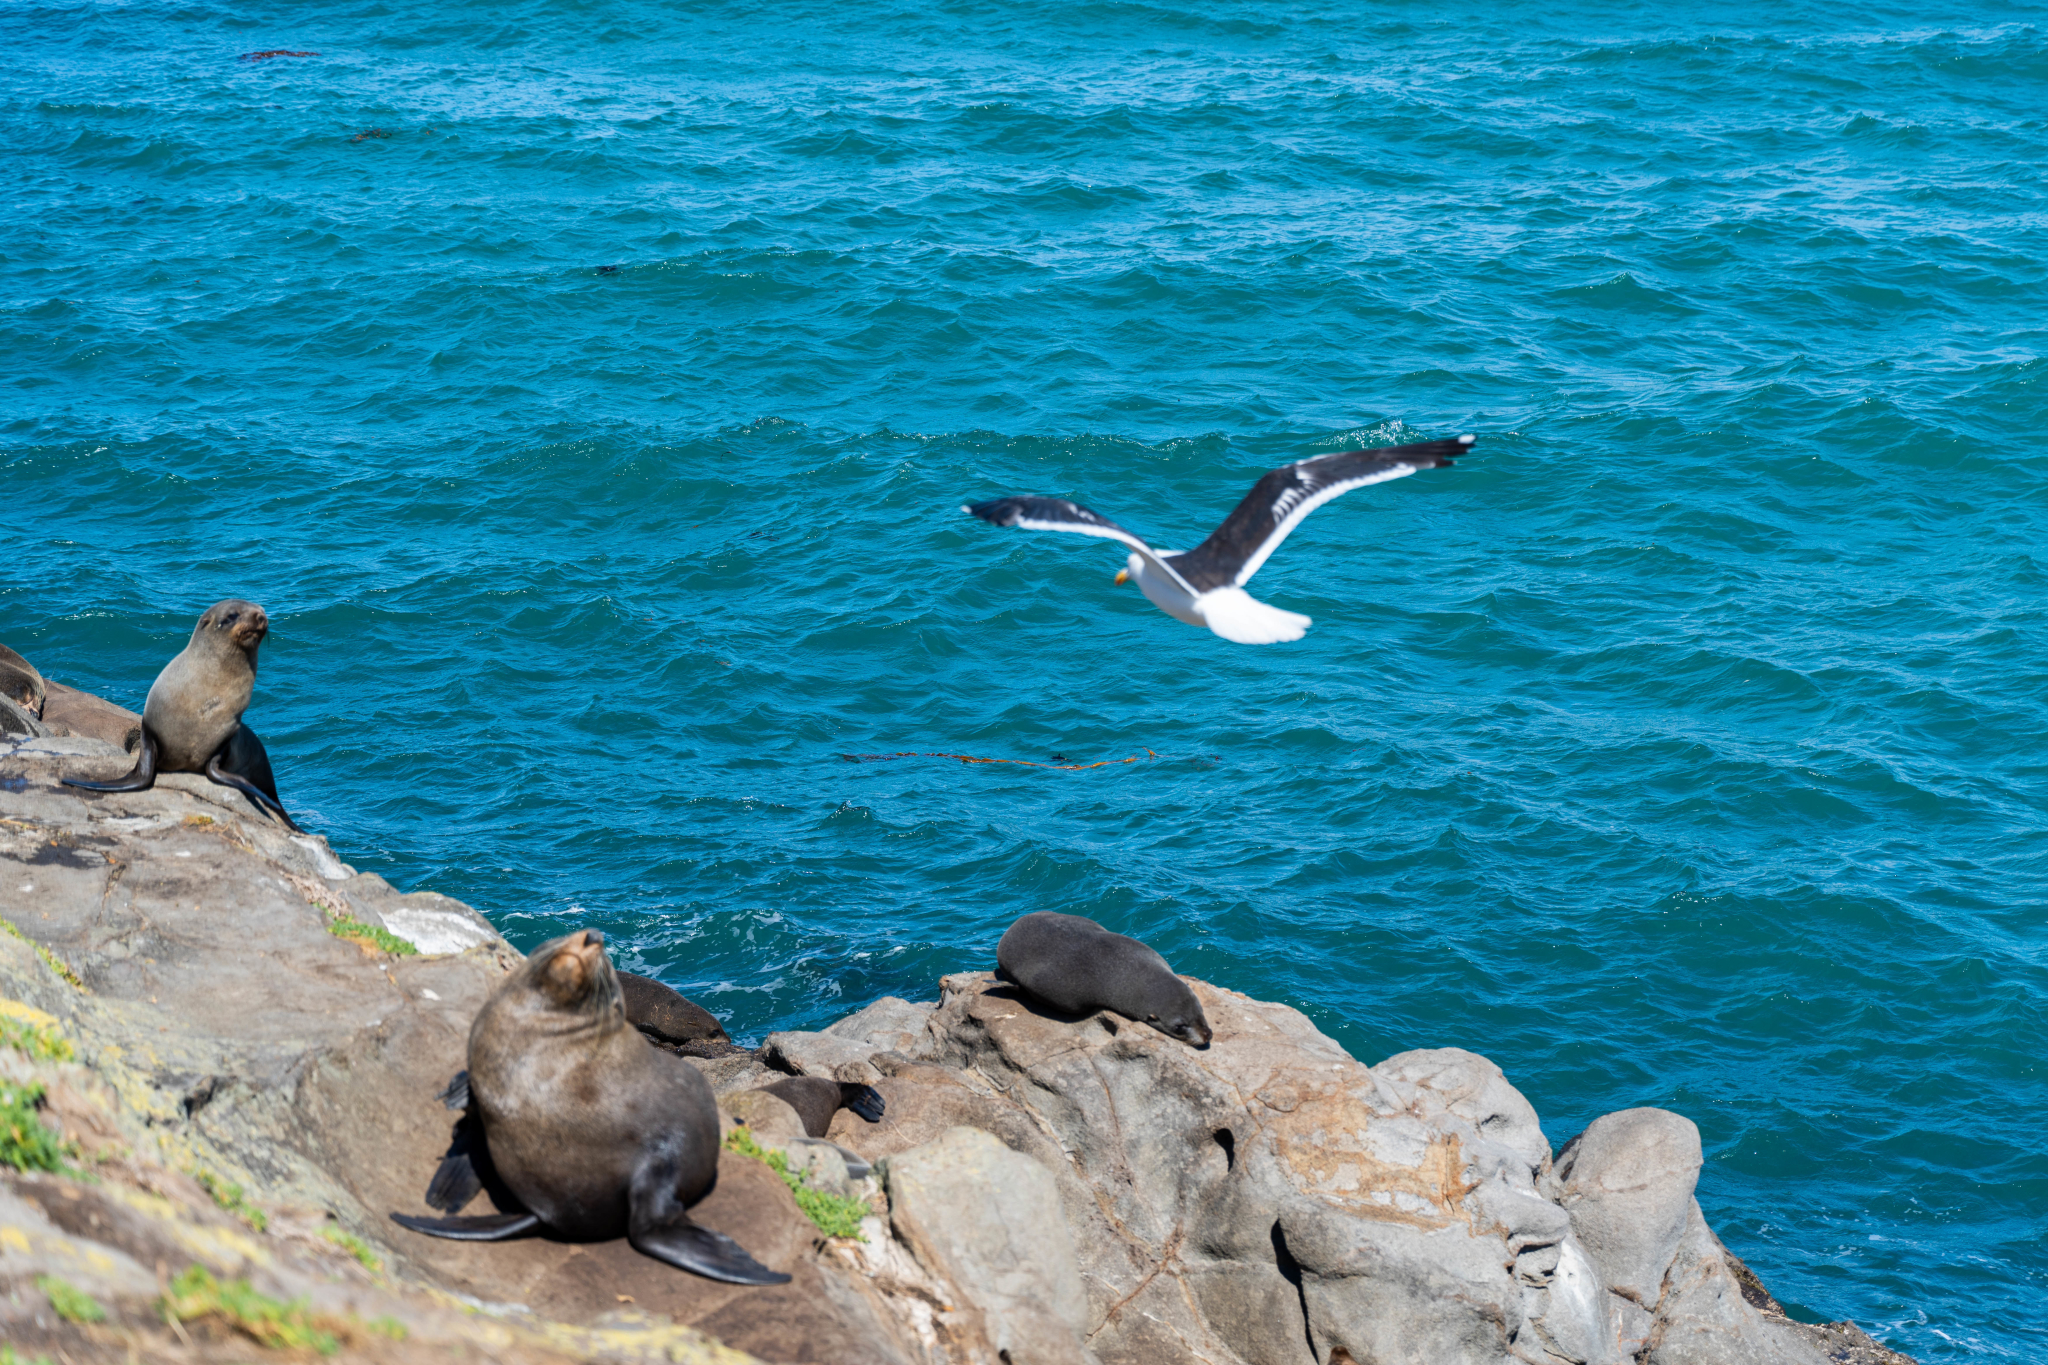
(1279, 500)
(1057, 514)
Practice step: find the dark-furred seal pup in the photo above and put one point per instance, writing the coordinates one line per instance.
(817, 1098)
(1076, 965)
(192, 722)
(593, 1132)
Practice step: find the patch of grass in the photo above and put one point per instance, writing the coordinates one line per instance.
(354, 1246)
(228, 1195)
(26, 1142)
(280, 1326)
(36, 1042)
(836, 1215)
(8, 1357)
(56, 965)
(370, 936)
(387, 1327)
(72, 1303)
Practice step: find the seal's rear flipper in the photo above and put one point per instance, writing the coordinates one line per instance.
(864, 1100)
(495, 1228)
(140, 778)
(455, 1095)
(455, 1183)
(701, 1251)
(244, 764)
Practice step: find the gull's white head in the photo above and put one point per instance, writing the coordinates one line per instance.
(1133, 567)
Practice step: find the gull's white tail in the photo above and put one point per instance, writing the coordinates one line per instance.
(1243, 619)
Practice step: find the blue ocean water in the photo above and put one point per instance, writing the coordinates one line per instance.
(588, 389)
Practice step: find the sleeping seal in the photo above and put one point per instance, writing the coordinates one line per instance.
(588, 1127)
(668, 1017)
(192, 722)
(1076, 965)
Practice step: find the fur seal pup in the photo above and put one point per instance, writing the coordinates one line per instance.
(192, 722)
(817, 1098)
(1076, 965)
(593, 1132)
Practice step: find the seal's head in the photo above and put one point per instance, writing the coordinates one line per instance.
(573, 975)
(233, 623)
(1179, 1015)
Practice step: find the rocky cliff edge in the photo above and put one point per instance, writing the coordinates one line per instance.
(228, 1044)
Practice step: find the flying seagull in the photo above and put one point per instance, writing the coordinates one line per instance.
(1205, 586)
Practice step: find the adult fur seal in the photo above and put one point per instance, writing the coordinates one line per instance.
(192, 722)
(817, 1098)
(592, 1130)
(1076, 965)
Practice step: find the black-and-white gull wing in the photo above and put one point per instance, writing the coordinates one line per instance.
(1057, 514)
(1280, 499)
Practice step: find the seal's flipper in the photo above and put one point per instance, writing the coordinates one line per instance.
(864, 1100)
(496, 1227)
(657, 1226)
(455, 1183)
(244, 764)
(460, 1176)
(455, 1095)
(140, 778)
(699, 1250)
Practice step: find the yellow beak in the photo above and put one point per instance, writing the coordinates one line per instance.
(1123, 576)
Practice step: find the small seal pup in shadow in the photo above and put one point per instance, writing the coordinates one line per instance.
(1076, 965)
(817, 1098)
(593, 1131)
(192, 722)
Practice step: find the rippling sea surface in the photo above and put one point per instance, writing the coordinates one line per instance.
(589, 390)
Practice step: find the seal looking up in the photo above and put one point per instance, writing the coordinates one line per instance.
(589, 1127)
(192, 722)
(1076, 965)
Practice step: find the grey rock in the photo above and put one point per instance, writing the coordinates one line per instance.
(1702, 1317)
(890, 1024)
(822, 1054)
(431, 922)
(1627, 1182)
(17, 722)
(988, 1221)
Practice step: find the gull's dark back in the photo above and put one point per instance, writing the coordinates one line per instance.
(1235, 550)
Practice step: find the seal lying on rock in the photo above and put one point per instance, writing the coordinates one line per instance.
(817, 1098)
(664, 1015)
(192, 722)
(594, 1132)
(1076, 965)
(20, 683)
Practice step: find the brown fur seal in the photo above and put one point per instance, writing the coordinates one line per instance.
(666, 1016)
(588, 1127)
(817, 1098)
(1076, 965)
(21, 684)
(192, 722)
